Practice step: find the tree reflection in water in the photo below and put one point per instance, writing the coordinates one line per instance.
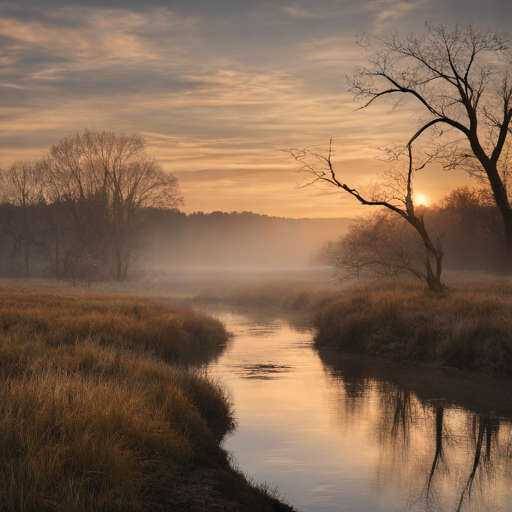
(462, 458)
(438, 457)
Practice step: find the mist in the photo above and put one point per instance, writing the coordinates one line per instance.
(235, 241)
(234, 274)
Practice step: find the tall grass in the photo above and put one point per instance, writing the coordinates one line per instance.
(469, 328)
(92, 416)
(71, 441)
(174, 333)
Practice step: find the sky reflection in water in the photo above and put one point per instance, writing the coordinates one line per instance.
(335, 439)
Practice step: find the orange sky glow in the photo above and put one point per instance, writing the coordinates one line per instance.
(218, 89)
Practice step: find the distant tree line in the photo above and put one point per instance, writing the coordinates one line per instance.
(233, 241)
(384, 245)
(77, 212)
(76, 217)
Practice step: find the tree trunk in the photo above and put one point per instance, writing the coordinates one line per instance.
(434, 278)
(119, 265)
(434, 255)
(27, 262)
(499, 191)
(57, 260)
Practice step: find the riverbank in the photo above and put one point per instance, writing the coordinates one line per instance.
(98, 411)
(369, 435)
(467, 328)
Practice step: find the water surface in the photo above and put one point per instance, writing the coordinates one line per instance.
(334, 437)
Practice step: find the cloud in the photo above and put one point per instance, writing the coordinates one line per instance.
(217, 88)
(390, 12)
(298, 12)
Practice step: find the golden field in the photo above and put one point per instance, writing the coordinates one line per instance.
(94, 418)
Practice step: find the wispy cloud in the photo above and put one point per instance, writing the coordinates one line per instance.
(298, 12)
(217, 88)
(389, 13)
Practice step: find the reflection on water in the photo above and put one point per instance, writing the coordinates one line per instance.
(336, 436)
(434, 457)
(260, 371)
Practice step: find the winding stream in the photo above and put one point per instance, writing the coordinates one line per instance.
(335, 438)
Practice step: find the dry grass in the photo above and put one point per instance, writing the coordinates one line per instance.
(75, 441)
(171, 332)
(92, 418)
(468, 328)
(285, 295)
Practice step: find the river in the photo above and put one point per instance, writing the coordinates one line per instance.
(336, 437)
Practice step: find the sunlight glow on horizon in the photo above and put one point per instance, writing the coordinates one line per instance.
(217, 89)
(421, 199)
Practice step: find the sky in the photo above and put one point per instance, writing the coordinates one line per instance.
(218, 88)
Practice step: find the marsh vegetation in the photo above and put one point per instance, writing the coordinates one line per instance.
(468, 327)
(98, 411)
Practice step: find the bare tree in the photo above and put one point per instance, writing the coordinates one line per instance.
(395, 193)
(22, 190)
(461, 81)
(381, 245)
(106, 178)
(78, 196)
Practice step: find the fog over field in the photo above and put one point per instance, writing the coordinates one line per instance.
(237, 241)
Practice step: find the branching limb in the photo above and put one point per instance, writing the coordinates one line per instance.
(320, 167)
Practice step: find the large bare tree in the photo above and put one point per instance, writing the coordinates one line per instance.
(106, 178)
(394, 192)
(461, 82)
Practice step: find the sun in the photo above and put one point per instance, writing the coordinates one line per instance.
(421, 199)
